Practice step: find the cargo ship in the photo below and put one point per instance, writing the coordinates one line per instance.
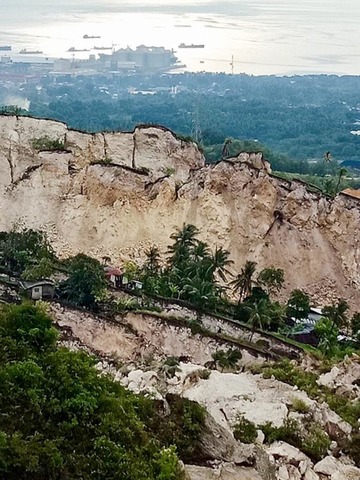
(192, 45)
(91, 36)
(73, 49)
(103, 48)
(30, 52)
(5, 48)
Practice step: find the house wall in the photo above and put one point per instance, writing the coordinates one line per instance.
(37, 293)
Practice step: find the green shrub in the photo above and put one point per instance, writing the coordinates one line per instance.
(289, 432)
(299, 405)
(348, 410)
(227, 359)
(204, 374)
(285, 372)
(244, 430)
(354, 448)
(316, 443)
(168, 171)
(171, 366)
(127, 305)
(102, 161)
(182, 425)
(61, 419)
(46, 143)
(195, 326)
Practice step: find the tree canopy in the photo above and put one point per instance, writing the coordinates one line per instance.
(86, 280)
(60, 419)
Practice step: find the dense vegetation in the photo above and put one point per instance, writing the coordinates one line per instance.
(60, 419)
(301, 116)
(189, 271)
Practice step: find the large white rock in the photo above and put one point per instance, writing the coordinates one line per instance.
(289, 453)
(310, 475)
(223, 472)
(282, 473)
(336, 470)
(226, 395)
(334, 424)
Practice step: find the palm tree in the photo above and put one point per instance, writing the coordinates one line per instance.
(185, 235)
(337, 313)
(219, 261)
(200, 251)
(200, 292)
(259, 315)
(342, 172)
(244, 280)
(184, 241)
(152, 264)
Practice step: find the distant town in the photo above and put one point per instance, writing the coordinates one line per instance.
(106, 60)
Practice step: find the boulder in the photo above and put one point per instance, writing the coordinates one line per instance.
(283, 473)
(310, 475)
(290, 454)
(327, 466)
(337, 470)
(333, 423)
(294, 473)
(222, 472)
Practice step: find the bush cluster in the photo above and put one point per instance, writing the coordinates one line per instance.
(244, 431)
(46, 143)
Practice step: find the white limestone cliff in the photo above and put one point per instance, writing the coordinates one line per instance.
(115, 194)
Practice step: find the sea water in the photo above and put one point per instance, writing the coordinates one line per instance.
(255, 37)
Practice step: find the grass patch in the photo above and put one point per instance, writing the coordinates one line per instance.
(47, 144)
(298, 405)
(314, 443)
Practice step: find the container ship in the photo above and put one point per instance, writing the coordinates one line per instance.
(5, 48)
(91, 36)
(30, 52)
(192, 45)
(103, 48)
(73, 49)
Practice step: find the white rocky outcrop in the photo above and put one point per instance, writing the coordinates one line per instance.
(344, 377)
(225, 395)
(336, 470)
(225, 471)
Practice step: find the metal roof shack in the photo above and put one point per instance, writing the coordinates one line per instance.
(39, 289)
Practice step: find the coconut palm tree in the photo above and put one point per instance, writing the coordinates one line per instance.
(337, 313)
(219, 263)
(184, 240)
(244, 280)
(152, 263)
(200, 251)
(259, 315)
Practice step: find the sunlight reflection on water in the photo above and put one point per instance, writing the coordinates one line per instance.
(265, 37)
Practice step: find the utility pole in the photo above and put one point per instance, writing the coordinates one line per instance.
(196, 131)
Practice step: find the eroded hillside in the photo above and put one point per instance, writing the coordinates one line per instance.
(115, 194)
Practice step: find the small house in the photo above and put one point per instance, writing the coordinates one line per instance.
(41, 289)
(134, 285)
(305, 332)
(115, 277)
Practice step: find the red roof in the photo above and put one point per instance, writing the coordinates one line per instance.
(113, 271)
